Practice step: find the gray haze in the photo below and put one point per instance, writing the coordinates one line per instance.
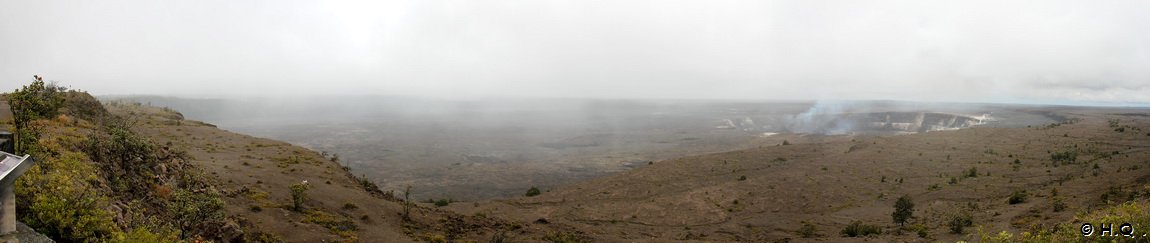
(1066, 52)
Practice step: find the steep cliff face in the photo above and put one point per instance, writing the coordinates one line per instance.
(857, 123)
(913, 121)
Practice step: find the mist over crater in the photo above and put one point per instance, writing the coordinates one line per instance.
(450, 148)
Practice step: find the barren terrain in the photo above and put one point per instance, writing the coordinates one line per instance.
(706, 173)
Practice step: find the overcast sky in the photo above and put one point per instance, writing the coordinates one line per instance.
(983, 51)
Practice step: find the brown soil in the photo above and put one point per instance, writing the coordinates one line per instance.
(830, 181)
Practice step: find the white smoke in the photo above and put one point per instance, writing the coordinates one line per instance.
(823, 118)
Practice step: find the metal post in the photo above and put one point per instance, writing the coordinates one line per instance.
(8, 212)
(11, 167)
(7, 194)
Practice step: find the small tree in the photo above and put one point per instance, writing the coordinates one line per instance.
(298, 195)
(903, 210)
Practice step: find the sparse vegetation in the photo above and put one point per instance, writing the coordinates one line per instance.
(1017, 197)
(808, 230)
(858, 228)
(959, 222)
(298, 195)
(1058, 204)
(1131, 212)
(532, 192)
(97, 180)
(442, 202)
(1065, 157)
(193, 209)
(338, 225)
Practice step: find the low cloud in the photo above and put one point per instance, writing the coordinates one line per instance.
(1067, 52)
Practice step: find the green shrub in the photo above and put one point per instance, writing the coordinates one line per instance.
(36, 100)
(858, 228)
(29, 103)
(532, 192)
(920, 230)
(55, 198)
(339, 225)
(298, 195)
(191, 209)
(127, 157)
(442, 202)
(1017, 197)
(1068, 156)
(1058, 204)
(145, 234)
(808, 230)
(1134, 213)
(958, 222)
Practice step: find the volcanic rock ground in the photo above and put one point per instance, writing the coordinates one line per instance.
(824, 180)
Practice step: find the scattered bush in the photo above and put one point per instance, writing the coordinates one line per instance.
(742, 178)
(298, 195)
(959, 222)
(1017, 197)
(808, 230)
(97, 181)
(857, 228)
(1068, 156)
(193, 209)
(1058, 204)
(339, 225)
(442, 202)
(920, 230)
(532, 192)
